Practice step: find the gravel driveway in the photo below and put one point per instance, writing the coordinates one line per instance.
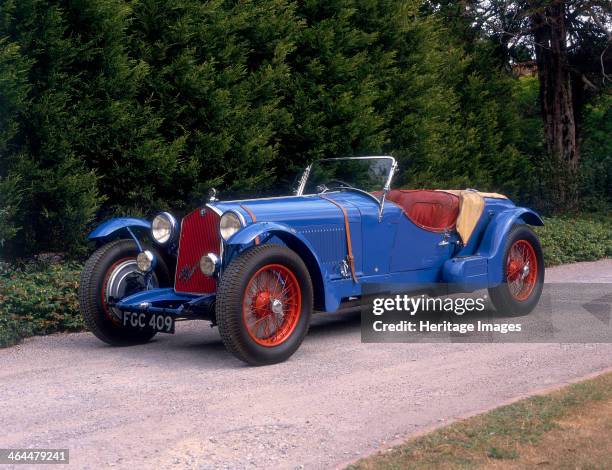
(182, 401)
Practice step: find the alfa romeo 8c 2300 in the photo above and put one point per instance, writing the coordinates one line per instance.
(259, 268)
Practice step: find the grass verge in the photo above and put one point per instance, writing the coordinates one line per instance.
(569, 428)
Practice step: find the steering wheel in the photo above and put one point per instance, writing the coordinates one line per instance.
(340, 182)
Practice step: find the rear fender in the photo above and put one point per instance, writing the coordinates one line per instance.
(324, 298)
(493, 241)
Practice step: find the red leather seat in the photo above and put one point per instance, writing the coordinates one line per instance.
(435, 211)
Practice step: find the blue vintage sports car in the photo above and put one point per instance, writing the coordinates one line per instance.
(259, 268)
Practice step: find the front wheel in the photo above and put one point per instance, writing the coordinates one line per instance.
(111, 273)
(264, 304)
(523, 270)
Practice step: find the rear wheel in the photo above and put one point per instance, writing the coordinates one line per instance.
(264, 304)
(523, 273)
(111, 273)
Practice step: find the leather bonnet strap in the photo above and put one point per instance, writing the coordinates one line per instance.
(253, 218)
(347, 229)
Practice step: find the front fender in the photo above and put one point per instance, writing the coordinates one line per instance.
(492, 244)
(105, 229)
(324, 296)
(249, 233)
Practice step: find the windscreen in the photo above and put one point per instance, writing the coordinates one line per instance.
(368, 174)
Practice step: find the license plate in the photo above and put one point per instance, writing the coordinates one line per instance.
(160, 322)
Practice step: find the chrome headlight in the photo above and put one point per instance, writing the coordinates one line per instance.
(229, 224)
(163, 228)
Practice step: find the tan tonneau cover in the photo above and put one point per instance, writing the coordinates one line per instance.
(471, 205)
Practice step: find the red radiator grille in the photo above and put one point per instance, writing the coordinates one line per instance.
(199, 236)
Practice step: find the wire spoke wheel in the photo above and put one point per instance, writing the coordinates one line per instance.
(272, 305)
(521, 269)
(264, 304)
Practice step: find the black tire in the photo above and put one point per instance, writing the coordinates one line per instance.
(96, 314)
(229, 304)
(501, 296)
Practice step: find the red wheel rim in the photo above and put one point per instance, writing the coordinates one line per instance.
(521, 269)
(272, 305)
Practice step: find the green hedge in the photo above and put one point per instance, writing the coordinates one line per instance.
(115, 107)
(128, 107)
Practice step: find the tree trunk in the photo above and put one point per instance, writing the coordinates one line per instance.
(556, 102)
